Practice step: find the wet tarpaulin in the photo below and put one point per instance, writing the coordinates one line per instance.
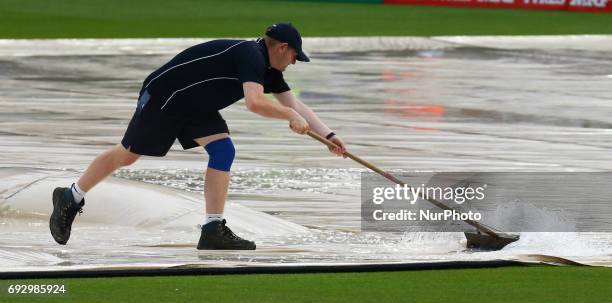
(442, 104)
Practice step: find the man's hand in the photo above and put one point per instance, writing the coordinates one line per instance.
(299, 124)
(341, 149)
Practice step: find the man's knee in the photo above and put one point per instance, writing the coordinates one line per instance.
(124, 157)
(221, 154)
(129, 160)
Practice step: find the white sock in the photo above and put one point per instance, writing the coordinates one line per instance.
(77, 193)
(213, 217)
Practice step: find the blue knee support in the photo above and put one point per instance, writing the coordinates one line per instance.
(221, 154)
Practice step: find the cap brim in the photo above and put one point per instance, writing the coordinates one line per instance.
(301, 56)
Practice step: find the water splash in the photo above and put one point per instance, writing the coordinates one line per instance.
(525, 216)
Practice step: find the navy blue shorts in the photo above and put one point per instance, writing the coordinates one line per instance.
(152, 132)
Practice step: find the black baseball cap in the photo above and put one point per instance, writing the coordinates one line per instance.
(287, 33)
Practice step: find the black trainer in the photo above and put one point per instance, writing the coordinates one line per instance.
(64, 211)
(216, 235)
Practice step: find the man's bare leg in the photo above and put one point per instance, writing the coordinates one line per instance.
(105, 164)
(216, 182)
(67, 203)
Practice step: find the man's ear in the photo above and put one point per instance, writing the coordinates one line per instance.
(283, 47)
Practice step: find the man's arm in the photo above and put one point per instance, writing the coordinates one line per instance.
(258, 103)
(289, 100)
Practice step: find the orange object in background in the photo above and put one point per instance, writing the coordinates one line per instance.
(413, 110)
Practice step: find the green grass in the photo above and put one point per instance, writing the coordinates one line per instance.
(240, 18)
(508, 284)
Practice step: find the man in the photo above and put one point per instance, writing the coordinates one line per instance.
(181, 100)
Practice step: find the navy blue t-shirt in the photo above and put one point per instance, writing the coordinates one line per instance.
(209, 76)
